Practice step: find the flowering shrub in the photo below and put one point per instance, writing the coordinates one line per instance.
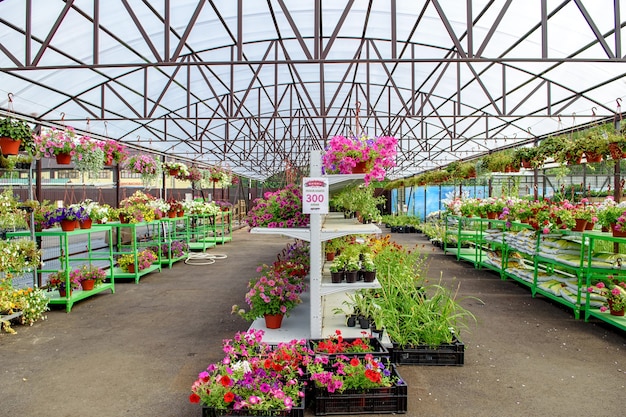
(52, 142)
(343, 154)
(252, 376)
(282, 208)
(346, 373)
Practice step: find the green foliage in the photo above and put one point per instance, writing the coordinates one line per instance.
(16, 130)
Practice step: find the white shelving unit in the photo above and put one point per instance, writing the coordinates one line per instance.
(322, 228)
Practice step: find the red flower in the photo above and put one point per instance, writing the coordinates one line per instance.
(373, 376)
(229, 397)
(194, 398)
(225, 381)
(355, 361)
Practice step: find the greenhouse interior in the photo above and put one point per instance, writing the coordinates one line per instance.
(296, 208)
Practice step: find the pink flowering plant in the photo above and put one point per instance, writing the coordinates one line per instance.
(356, 374)
(614, 291)
(274, 292)
(277, 209)
(343, 154)
(52, 142)
(114, 151)
(87, 272)
(253, 377)
(149, 168)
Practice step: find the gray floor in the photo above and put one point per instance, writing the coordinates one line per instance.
(136, 352)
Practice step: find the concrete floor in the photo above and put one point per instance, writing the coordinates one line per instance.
(136, 352)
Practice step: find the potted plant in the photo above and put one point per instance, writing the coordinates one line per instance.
(56, 143)
(145, 165)
(595, 143)
(14, 134)
(89, 156)
(175, 207)
(332, 246)
(88, 276)
(66, 217)
(371, 155)
(272, 296)
(58, 281)
(176, 169)
(368, 267)
(608, 212)
(39, 210)
(114, 151)
(617, 144)
(101, 213)
(143, 260)
(615, 294)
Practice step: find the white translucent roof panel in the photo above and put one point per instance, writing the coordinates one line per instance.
(199, 81)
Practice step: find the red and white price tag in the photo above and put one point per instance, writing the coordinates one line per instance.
(315, 195)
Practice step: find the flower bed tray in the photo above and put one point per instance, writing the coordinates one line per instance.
(378, 350)
(452, 354)
(214, 412)
(371, 401)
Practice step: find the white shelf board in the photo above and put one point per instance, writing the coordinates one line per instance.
(297, 233)
(335, 226)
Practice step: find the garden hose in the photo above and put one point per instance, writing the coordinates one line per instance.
(203, 258)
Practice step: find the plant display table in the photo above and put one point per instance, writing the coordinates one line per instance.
(71, 261)
(172, 230)
(221, 230)
(200, 231)
(133, 238)
(559, 266)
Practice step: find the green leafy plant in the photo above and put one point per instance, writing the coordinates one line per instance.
(17, 130)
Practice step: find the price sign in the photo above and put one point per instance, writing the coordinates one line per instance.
(315, 195)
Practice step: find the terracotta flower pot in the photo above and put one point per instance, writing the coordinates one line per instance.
(85, 224)
(273, 321)
(68, 225)
(9, 146)
(87, 284)
(64, 158)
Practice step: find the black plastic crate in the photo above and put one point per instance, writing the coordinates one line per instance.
(378, 350)
(391, 400)
(452, 354)
(294, 412)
